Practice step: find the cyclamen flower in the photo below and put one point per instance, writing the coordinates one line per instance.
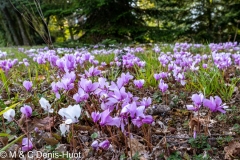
(87, 85)
(139, 83)
(55, 89)
(126, 77)
(133, 110)
(117, 96)
(163, 75)
(95, 145)
(146, 102)
(26, 144)
(163, 86)
(70, 75)
(157, 76)
(194, 133)
(104, 145)
(139, 121)
(80, 96)
(64, 128)
(95, 116)
(27, 85)
(197, 100)
(106, 119)
(71, 112)
(36, 129)
(9, 115)
(66, 84)
(92, 72)
(45, 105)
(215, 104)
(26, 110)
(204, 66)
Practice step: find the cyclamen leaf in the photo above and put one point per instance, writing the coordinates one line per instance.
(94, 135)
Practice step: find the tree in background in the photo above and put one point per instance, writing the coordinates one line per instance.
(118, 19)
(31, 22)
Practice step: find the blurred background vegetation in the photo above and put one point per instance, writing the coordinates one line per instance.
(70, 22)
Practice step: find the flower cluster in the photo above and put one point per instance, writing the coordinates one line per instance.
(214, 104)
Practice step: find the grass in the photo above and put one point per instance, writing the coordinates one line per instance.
(211, 82)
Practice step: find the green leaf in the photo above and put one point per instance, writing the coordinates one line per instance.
(4, 135)
(94, 135)
(2, 105)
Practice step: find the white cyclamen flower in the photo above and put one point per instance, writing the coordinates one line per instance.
(45, 105)
(71, 112)
(64, 128)
(9, 115)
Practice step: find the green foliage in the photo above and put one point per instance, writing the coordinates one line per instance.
(2, 39)
(94, 135)
(147, 73)
(202, 157)
(222, 141)
(236, 128)
(105, 58)
(157, 97)
(108, 42)
(200, 142)
(175, 156)
(107, 19)
(123, 157)
(211, 82)
(5, 81)
(136, 156)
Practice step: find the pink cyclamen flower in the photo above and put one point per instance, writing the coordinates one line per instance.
(95, 145)
(157, 76)
(139, 83)
(194, 134)
(163, 86)
(215, 104)
(26, 110)
(204, 66)
(95, 116)
(26, 144)
(105, 144)
(197, 100)
(106, 119)
(146, 102)
(27, 85)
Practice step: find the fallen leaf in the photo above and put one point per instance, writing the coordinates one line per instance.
(51, 141)
(61, 148)
(137, 147)
(81, 127)
(232, 150)
(57, 136)
(44, 124)
(4, 140)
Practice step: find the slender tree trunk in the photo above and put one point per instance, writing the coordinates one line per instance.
(10, 25)
(71, 33)
(22, 30)
(70, 29)
(7, 32)
(209, 15)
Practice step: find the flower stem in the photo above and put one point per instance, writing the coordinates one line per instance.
(130, 140)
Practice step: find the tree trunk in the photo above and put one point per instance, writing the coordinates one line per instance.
(22, 30)
(12, 30)
(7, 32)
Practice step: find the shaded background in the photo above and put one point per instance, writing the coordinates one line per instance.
(72, 22)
